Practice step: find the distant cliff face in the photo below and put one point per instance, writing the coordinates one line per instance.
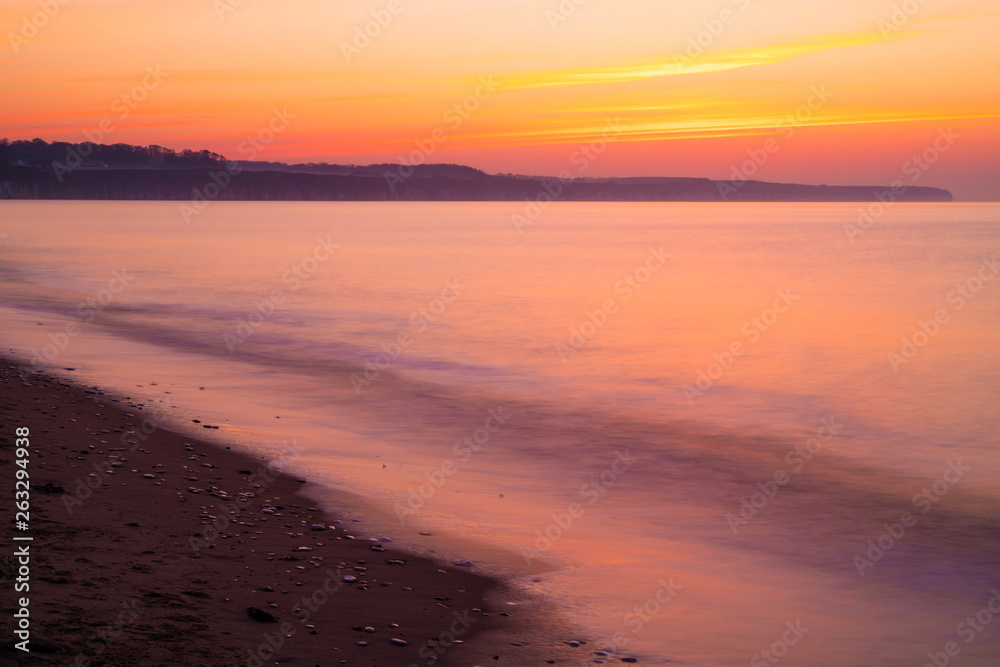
(396, 182)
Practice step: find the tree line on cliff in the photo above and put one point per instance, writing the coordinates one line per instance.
(35, 169)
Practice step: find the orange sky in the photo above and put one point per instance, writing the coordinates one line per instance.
(697, 87)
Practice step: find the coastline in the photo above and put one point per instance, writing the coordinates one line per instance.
(151, 547)
(194, 187)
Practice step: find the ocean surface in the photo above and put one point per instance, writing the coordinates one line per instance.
(712, 434)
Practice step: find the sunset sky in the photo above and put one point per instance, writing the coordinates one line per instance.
(697, 87)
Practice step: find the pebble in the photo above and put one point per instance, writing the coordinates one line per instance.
(148, 476)
(397, 641)
(260, 615)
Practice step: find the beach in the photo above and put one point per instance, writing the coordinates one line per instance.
(151, 547)
(621, 414)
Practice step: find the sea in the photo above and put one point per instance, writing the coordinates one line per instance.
(708, 434)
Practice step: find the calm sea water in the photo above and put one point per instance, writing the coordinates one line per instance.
(707, 431)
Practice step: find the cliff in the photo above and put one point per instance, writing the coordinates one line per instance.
(427, 183)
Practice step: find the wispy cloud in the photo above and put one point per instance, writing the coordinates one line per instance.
(702, 127)
(679, 65)
(230, 76)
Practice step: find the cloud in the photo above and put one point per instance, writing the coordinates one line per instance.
(703, 127)
(221, 75)
(680, 64)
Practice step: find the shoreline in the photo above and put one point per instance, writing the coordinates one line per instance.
(222, 181)
(151, 547)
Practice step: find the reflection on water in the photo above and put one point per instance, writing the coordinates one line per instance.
(709, 431)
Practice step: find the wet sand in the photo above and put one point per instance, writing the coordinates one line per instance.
(151, 547)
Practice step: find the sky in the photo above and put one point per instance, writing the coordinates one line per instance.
(857, 92)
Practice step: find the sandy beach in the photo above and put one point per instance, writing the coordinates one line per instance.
(150, 547)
